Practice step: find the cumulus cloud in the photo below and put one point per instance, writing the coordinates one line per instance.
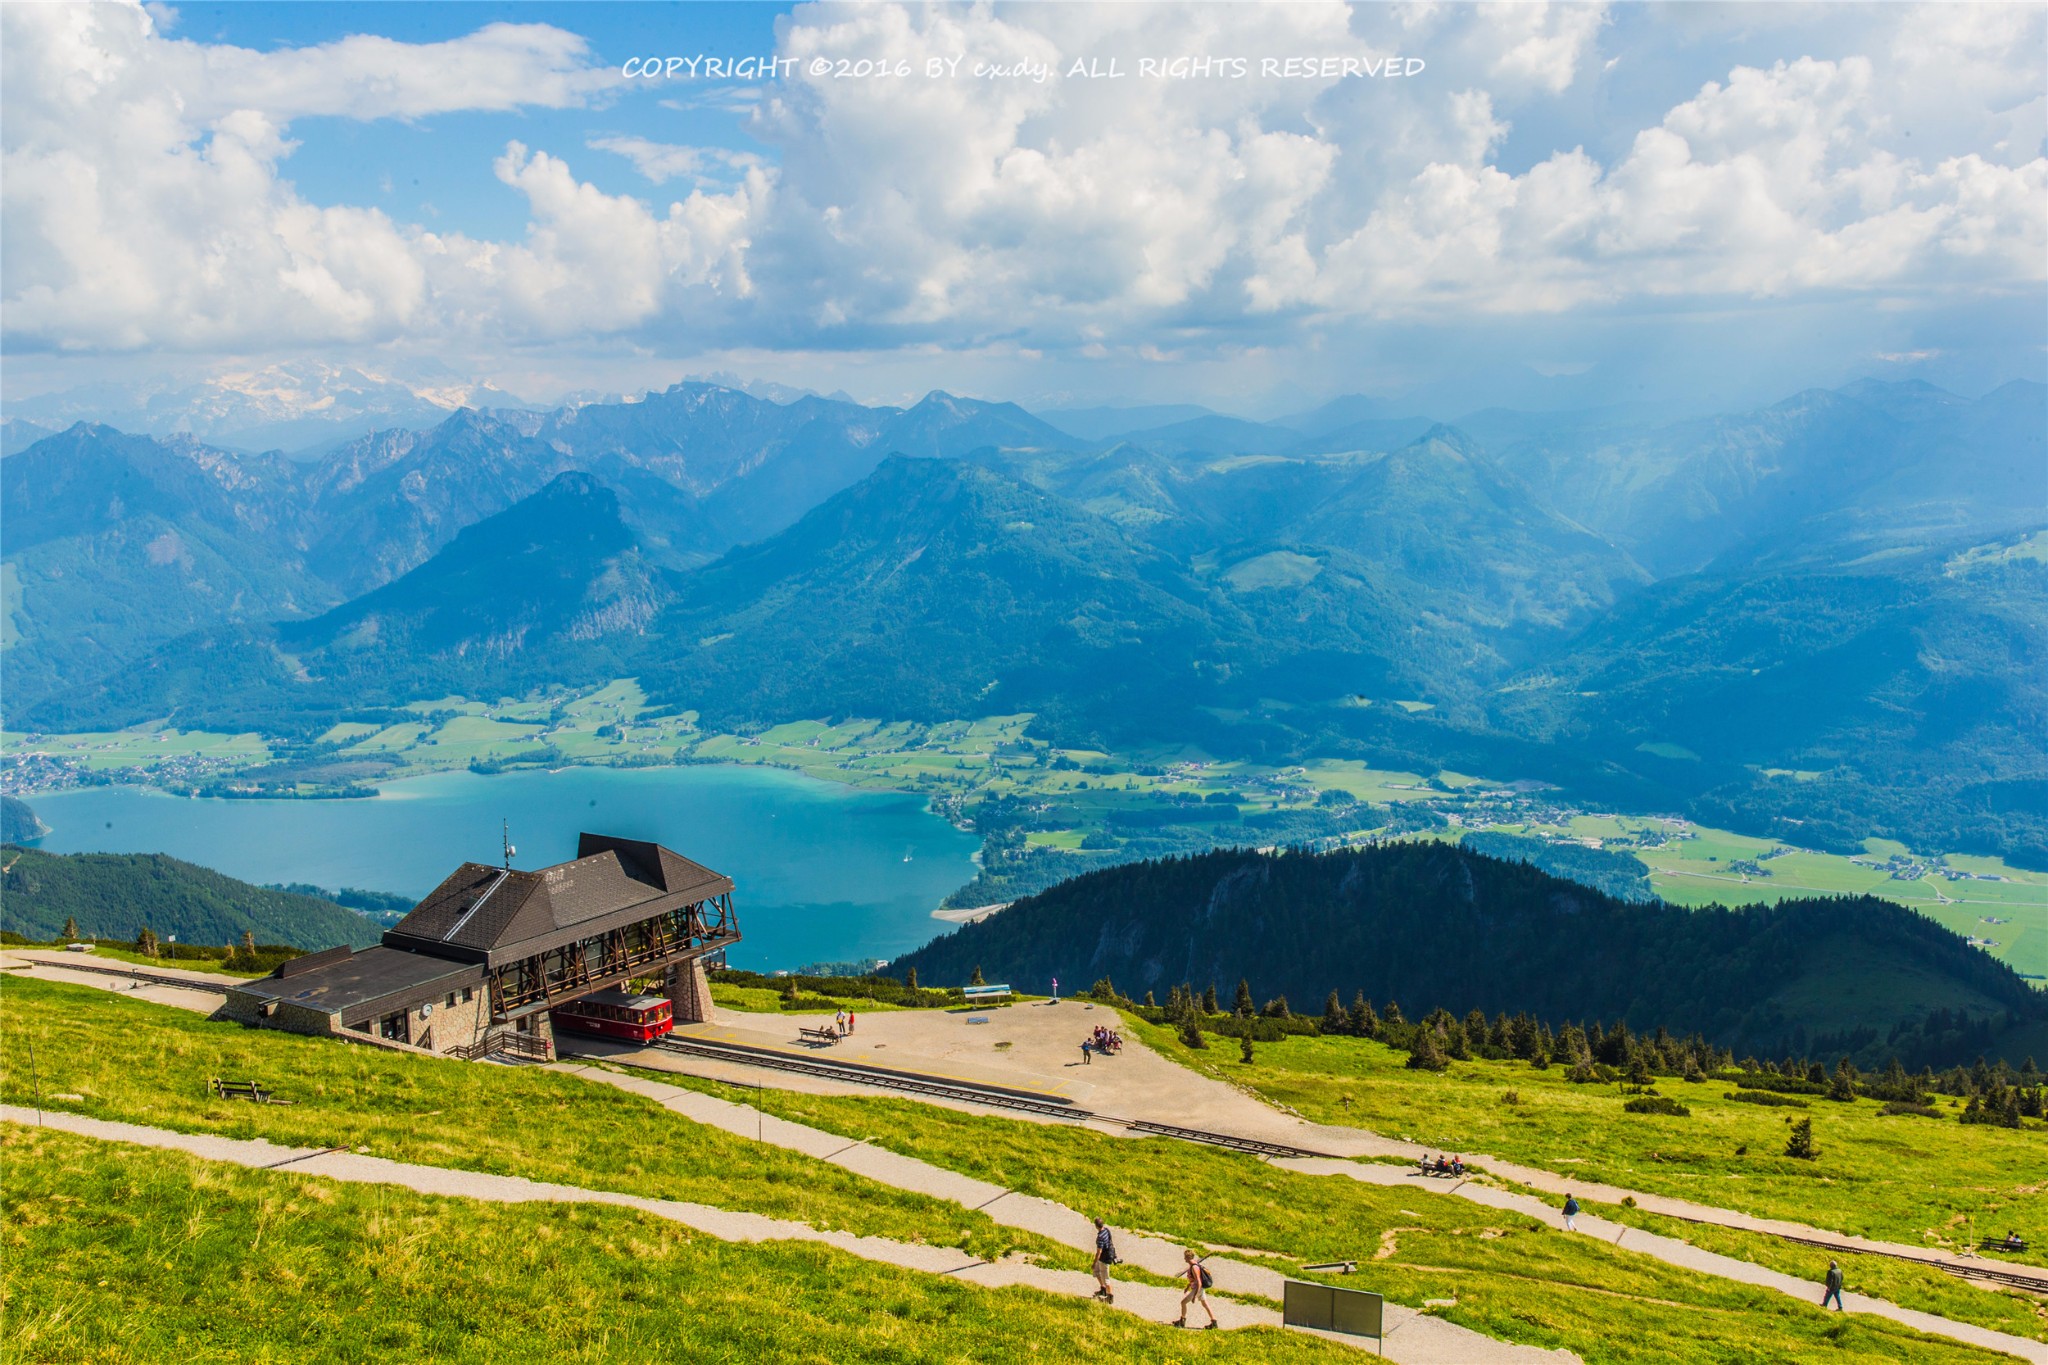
(661, 162)
(147, 204)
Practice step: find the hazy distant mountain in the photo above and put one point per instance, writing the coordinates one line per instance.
(1913, 697)
(554, 589)
(936, 588)
(555, 570)
(1108, 423)
(115, 544)
(1435, 521)
(285, 406)
(1215, 436)
(17, 435)
(1872, 464)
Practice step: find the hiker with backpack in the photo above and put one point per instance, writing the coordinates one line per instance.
(1105, 1257)
(1198, 1279)
(1571, 1212)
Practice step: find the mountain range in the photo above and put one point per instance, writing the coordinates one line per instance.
(1825, 615)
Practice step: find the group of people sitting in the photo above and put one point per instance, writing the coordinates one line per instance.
(1443, 1165)
(1101, 1040)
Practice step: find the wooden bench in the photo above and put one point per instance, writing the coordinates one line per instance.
(245, 1090)
(820, 1035)
(981, 995)
(2000, 1244)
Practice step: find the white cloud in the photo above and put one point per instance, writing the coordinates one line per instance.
(146, 203)
(661, 162)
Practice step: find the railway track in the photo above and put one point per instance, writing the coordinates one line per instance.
(861, 1075)
(970, 1094)
(134, 973)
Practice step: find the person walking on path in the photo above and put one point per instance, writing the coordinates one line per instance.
(850, 1017)
(1571, 1213)
(1834, 1287)
(1105, 1257)
(1198, 1281)
(1087, 1052)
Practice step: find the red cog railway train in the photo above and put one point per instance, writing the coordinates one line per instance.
(617, 1014)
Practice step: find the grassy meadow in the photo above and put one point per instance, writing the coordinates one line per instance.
(122, 1256)
(1925, 1182)
(1497, 1273)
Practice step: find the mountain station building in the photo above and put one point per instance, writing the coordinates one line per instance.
(474, 969)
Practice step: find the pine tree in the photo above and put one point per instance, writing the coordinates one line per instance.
(1843, 1085)
(145, 941)
(1364, 1023)
(1456, 1043)
(1244, 1048)
(789, 989)
(976, 980)
(1335, 1021)
(1393, 1015)
(1209, 999)
(1243, 1007)
(1191, 1033)
(1427, 1054)
(71, 933)
(1800, 1144)
(1639, 1071)
(910, 979)
(1150, 1004)
(1276, 1008)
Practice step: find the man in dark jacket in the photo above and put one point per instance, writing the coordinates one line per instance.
(1834, 1286)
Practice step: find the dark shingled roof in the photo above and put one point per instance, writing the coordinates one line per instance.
(496, 915)
(366, 984)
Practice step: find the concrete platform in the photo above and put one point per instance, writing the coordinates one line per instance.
(870, 1049)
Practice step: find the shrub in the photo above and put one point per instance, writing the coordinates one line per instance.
(1657, 1104)
(1925, 1111)
(1765, 1097)
(1784, 1085)
(1191, 1034)
(1511, 1097)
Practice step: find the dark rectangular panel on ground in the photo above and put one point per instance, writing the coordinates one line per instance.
(1326, 1308)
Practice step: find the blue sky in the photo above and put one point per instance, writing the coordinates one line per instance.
(1695, 205)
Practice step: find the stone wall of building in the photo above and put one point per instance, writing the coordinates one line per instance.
(244, 1008)
(689, 992)
(447, 1025)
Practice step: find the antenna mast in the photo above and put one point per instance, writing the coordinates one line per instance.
(509, 850)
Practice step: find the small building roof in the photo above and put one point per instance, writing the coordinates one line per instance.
(363, 985)
(495, 915)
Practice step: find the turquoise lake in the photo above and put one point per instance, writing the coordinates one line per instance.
(823, 873)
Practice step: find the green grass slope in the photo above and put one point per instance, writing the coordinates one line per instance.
(122, 1256)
